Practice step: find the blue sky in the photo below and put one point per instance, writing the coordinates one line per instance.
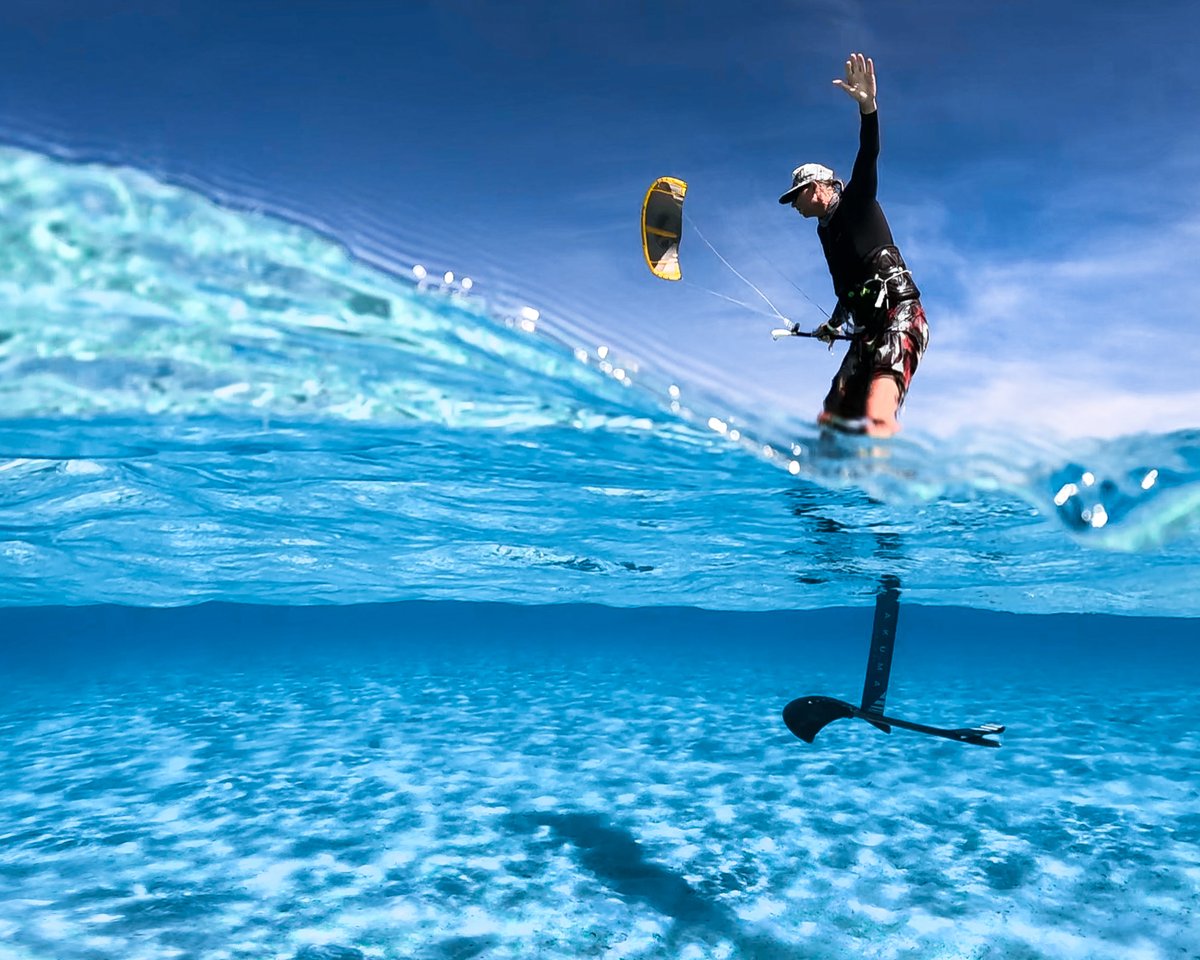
(1040, 167)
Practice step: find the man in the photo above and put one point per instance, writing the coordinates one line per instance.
(878, 303)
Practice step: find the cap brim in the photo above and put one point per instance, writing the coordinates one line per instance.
(791, 194)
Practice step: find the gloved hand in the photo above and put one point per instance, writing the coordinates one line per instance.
(833, 326)
(826, 333)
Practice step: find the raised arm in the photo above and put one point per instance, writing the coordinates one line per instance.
(860, 85)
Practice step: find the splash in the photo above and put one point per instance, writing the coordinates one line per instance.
(200, 402)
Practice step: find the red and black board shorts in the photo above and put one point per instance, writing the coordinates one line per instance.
(894, 352)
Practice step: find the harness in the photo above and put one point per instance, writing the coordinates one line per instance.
(892, 283)
(882, 279)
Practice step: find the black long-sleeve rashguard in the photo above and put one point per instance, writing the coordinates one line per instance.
(858, 227)
(857, 240)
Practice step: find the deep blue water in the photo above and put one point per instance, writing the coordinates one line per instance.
(349, 613)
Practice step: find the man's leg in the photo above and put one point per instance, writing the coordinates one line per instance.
(846, 399)
(883, 400)
(895, 362)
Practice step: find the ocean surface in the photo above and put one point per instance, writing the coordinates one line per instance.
(359, 613)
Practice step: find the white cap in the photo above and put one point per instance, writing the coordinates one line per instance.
(805, 174)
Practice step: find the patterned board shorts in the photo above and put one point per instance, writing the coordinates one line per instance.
(895, 353)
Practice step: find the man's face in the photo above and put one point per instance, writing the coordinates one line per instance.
(814, 199)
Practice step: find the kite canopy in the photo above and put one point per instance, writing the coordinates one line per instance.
(662, 226)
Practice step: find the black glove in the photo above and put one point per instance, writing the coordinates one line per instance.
(827, 331)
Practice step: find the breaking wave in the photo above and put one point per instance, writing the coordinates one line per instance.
(199, 402)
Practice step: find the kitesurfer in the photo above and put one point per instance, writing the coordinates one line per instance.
(878, 303)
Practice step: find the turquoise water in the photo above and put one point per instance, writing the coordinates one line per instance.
(503, 623)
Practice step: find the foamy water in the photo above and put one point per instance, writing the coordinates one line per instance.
(203, 403)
